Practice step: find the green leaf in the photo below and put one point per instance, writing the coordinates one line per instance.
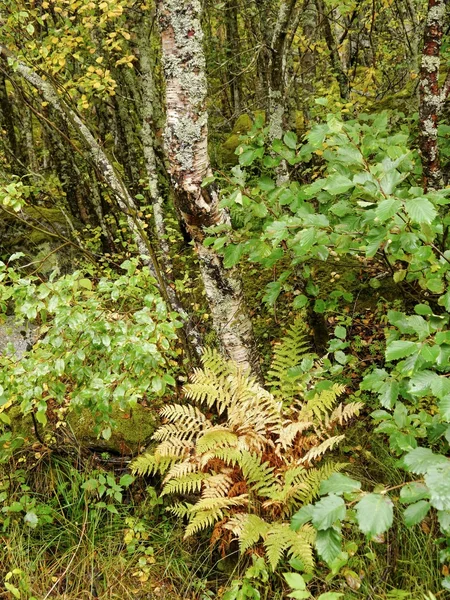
(374, 514)
(387, 209)
(330, 596)
(413, 492)
(400, 349)
(273, 290)
(302, 516)
(232, 255)
(340, 332)
(300, 301)
(295, 581)
(415, 513)
(420, 210)
(126, 480)
(338, 184)
(329, 544)
(339, 484)
(437, 479)
(444, 408)
(290, 139)
(327, 511)
(420, 460)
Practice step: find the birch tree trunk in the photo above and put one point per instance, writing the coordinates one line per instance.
(186, 139)
(432, 97)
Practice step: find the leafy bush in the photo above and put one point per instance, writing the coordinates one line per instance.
(100, 342)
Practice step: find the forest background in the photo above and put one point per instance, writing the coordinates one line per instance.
(224, 299)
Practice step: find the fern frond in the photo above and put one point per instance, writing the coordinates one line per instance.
(187, 484)
(313, 478)
(259, 477)
(208, 504)
(248, 529)
(322, 402)
(343, 413)
(216, 437)
(285, 376)
(203, 520)
(217, 486)
(301, 546)
(290, 431)
(186, 416)
(181, 469)
(149, 464)
(179, 509)
(320, 450)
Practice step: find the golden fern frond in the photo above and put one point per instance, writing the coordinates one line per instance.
(171, 431)
(179, 509)
(322, 402)
(320, 450)
(203, 520)
(284, 376)
(217, 486)
(208, 504)
(289, 432)
(343, 413)
(216, 437)
(248, 529)
(149, 464)
(174, 447)
(181, 469)
(184, 415)
(313, 478)
(187, 484)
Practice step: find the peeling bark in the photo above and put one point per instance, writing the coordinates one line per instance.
(432, 98)
(186, 139)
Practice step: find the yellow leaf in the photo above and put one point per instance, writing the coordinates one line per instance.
(99, 59)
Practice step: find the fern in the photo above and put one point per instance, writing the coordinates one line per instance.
(286, 373)
(253, 465)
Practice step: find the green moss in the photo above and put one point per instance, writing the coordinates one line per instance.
(133, 430)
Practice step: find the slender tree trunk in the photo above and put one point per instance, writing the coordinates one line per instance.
(336, 64)
(186, 140)
(432, 97)
(149, 100)
(234, 66)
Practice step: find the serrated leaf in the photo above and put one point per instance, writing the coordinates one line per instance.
(415, 513)
(374, 514)
(338, 184)
(295, 581)
(327, 511)
(413, 492)
(329, 544)
(273, 290)
(290, 139)
(444, 408)
(437, 478)
(420, 210)
(302, 516)
(387, 209)
(232, 255)
(339, 484)
(400, 349)
(420, 460)
(300, 301)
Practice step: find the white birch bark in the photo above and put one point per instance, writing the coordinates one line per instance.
(186, 140)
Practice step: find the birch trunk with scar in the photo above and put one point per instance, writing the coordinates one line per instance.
(432, 97)
(115, 184)
(186, 139)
